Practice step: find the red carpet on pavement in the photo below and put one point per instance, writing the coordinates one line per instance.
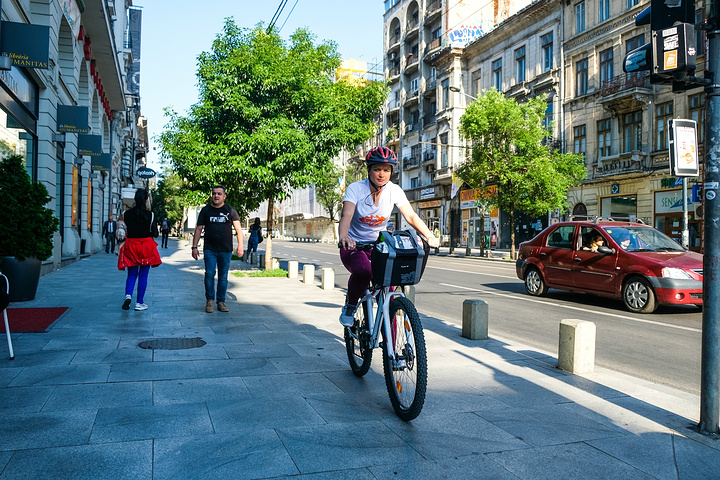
(31, 320)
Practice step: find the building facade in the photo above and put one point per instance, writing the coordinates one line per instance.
(86, 154)
(619, 121)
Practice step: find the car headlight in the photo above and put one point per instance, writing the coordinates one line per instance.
(669, 272)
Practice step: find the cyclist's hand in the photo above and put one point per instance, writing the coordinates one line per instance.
(347, 243)
(434, 242)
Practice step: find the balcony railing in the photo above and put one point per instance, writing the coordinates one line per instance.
(394, 39)
(394, 72)
(624, 82)
(410, 162)
(434, 5)
(433, 45)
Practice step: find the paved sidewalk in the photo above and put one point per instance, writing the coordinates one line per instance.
(271, 395)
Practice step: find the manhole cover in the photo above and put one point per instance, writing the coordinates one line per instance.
(172, 343)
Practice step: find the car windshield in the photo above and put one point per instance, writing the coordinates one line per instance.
(643, 239)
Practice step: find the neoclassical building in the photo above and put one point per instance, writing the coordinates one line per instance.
(75, 117)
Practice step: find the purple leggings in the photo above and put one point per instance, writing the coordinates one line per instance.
(357, 263)
(133, 274)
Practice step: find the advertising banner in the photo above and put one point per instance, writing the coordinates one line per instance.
(683, 148)
(102, 163)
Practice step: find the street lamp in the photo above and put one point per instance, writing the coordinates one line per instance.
(482, 210)
(457, 90)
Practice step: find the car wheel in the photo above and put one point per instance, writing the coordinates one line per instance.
(534, 283)
(639, 296)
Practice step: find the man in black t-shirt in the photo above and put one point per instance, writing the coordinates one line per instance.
(217, 219)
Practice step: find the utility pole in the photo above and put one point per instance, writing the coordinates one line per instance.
(710, 379)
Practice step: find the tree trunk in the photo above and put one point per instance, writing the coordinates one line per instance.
(512, 234)
(268, 233)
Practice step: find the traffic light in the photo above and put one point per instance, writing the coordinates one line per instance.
(670, 55)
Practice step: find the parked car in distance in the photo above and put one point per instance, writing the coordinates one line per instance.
(626, 260)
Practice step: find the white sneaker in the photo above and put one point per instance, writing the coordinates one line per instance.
(141, 306)
(347, 316)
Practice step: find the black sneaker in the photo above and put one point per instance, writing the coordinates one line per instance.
(126, 303)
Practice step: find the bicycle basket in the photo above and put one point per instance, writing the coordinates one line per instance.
(398, 259)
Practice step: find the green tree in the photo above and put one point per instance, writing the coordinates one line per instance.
(507, 150)
(269, 117)
(170, 198)
(329, 194)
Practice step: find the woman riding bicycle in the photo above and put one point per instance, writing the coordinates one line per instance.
(366, 209)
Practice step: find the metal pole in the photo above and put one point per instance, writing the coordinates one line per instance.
(710, 376)
(685, 232)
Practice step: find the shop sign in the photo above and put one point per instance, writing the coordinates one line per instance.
(90, 145)
(671, 202)
(671, 182)
(615, 188)
(428, 192)
(145, 172)
(430, 204)
(72, 119)
(102, 163)
(26, 44)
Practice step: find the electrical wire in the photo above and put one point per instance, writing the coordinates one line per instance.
(279, 10)
(286, 18)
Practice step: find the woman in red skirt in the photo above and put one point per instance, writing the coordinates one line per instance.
(139, 252)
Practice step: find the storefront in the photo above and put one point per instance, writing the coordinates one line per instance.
(669, 215)
(476, 226)
(18, 117)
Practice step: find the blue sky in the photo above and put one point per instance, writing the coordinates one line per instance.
(175, 32)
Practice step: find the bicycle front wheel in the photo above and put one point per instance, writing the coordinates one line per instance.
(357, 342)
(406, 374)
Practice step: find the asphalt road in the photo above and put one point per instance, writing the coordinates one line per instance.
(663, 347)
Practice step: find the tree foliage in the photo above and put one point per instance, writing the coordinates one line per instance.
(170, 198)
(269, 117)
(508, 151)
(26, 224)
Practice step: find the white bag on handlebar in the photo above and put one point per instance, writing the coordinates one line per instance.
(398, 259)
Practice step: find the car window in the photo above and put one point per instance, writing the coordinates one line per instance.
(643, 239)
(561, 237)
(589, 235)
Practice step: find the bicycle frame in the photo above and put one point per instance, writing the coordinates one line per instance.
(381, 315)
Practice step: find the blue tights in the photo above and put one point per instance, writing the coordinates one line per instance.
(133, 274)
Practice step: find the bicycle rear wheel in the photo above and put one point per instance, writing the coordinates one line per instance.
(406, 374)
(357, 342)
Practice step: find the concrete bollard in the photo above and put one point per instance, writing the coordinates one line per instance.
(475, 320)
(275, 263)
(308, 274)
(293, 269)
(409, 291)
(253, 258)
(576, 350)
(328, 278)
(262, 260)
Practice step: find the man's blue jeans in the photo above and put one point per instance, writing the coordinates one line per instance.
(220, 261)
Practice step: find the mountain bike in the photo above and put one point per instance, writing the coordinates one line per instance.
(385, 311)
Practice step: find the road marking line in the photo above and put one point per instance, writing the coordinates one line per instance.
(570, 307)
(473, 273)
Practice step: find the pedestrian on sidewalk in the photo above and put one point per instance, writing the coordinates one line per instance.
(139, 252)
(108, 231)
(255, 237)
(165, 230)
(218, 219)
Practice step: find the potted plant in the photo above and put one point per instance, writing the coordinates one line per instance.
(26, 228)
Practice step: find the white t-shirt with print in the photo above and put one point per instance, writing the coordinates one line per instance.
(369, 220)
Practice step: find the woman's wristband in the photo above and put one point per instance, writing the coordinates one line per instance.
(193, 248)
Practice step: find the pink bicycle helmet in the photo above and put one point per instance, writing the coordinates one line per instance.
(381, 155)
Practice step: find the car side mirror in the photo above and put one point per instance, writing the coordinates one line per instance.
(605, 250)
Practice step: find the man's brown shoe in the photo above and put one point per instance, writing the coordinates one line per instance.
(222, 307)
(209, 308)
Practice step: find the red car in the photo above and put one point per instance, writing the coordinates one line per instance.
(631, 261)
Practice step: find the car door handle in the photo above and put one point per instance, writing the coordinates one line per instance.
(578, 259)
(543, 254)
